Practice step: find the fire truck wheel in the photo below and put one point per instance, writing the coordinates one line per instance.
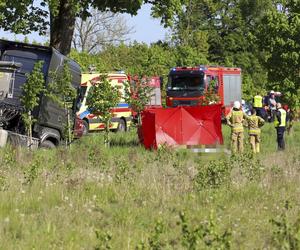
(85, 127)
(47, 144)
(121, 126)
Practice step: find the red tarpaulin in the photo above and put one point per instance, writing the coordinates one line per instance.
(184, 125)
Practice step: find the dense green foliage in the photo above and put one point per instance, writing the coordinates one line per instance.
(261, 37)
(279, 38)
(140, 59)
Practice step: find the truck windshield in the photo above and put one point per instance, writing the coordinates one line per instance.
(186, 82)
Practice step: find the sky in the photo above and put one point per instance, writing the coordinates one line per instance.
(147, 29)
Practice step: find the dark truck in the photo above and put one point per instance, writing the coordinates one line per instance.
(16, 60)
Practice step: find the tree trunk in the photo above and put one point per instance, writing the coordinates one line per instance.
(69, 128)
(29, 142)
(62, 27)
(106, 136)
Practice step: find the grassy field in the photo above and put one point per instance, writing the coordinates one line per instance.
(91, 197)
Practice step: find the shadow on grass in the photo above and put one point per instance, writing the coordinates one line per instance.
(124, 142)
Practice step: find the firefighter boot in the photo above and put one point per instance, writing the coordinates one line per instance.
(257, 147)
(252, 143)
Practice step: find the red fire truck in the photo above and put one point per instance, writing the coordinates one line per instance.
(187, 85)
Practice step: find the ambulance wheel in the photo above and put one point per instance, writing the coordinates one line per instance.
(121, 126)
(47, 144)
(85, 127)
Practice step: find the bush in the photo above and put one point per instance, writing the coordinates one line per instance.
(203, 236)
(217, 173)
(286, 235)
(213, 174)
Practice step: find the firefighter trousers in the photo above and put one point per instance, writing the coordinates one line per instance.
(254, 142)
(280, 137)
(237, 142)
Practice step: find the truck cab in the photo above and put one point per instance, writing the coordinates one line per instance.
(17, 60)
(187, 85)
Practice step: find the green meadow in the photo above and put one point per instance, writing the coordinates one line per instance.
(126, 197)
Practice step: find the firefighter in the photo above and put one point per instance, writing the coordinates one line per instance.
(235, 120)
(280, 120)
(254, 123)
(258, 105)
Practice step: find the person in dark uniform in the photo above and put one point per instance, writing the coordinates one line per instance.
(280, 120)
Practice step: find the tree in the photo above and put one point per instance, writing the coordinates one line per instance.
(279, 38)
(24, 16)
(98, 30)
(32, 90)
(102, 97)
(225, 31)
(63, 93)
(137, 95)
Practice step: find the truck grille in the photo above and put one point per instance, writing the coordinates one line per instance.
(184, 103)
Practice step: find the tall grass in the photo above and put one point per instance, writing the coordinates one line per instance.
(125, 197)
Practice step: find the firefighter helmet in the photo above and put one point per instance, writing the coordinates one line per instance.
(237, 105)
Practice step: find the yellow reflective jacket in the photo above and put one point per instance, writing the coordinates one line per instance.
(258, 101)
(281, 122)
(235, 120)
(254, 124)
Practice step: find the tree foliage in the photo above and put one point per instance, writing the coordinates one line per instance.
(101, 98)
(24, 16)
(137, 95)
(279, 38)
(33, 87)
(225, 31)
(63, 93)
(32, 90)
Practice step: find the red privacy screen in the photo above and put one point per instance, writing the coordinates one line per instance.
(184, 125)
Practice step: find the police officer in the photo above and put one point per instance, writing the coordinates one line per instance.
(280, 120)
(258, 105)
(254, 124)
(235, 120)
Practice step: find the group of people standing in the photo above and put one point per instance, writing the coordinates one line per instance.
(237, 120)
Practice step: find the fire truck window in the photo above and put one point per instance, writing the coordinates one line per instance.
(216, 84)
(213, 82)
(186, 82)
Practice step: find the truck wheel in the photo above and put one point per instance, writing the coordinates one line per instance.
(85, 127)
(47, 144)
(121, 126)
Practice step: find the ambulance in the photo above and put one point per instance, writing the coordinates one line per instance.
(122, 114)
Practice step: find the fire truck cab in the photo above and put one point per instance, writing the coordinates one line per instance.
(187, 85)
